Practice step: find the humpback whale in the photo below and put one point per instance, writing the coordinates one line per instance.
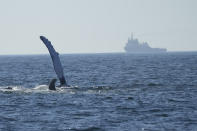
(56, 63)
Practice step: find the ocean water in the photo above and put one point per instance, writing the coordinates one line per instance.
(119, 92)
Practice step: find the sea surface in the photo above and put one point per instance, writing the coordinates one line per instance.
(109, 92)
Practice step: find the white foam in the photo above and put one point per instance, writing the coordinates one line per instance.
(41, 87)
(44, 89)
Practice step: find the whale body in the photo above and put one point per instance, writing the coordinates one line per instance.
(56, 61)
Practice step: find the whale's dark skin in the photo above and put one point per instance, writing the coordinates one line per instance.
(9, 88)
(52, 84)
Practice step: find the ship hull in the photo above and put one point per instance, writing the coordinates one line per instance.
(152, 50)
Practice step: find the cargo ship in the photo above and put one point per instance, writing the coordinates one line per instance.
(134, 46)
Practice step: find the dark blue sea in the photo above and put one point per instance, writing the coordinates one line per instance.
(109, 92)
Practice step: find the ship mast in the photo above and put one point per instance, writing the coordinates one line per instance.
(132, 36)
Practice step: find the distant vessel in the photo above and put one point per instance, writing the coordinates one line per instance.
(134, 46)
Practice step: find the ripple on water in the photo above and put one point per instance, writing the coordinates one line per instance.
(119, 92)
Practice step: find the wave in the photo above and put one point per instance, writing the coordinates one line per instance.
(45, 89)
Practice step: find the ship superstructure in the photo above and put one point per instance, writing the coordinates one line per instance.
(134, 46)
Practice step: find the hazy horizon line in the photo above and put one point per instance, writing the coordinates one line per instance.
(75, 53)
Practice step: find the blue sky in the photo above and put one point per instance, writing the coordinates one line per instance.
(96, 26)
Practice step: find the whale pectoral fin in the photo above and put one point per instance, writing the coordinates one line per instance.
(55, 59)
